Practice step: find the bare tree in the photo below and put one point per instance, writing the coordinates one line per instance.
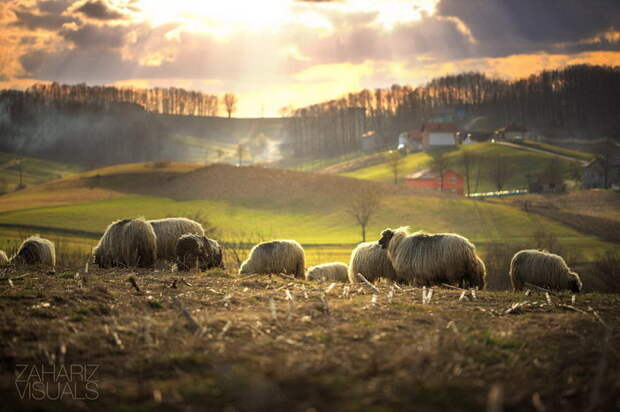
(470, 161)
(440, 165)
(230, 103)
(362, 206)
(395, 163)
(499, 172)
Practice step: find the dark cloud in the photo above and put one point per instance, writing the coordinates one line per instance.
(53, 6)
(77, 65)
(46, 21)
(89, 35)
(504, 27)
(438, 37)
(98, 9)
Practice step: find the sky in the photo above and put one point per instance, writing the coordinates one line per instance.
(276, 53)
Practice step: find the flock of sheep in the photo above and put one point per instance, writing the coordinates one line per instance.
(417, 258)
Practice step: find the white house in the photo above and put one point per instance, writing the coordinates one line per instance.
(439, 134)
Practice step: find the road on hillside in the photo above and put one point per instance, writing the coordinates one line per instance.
(531, 149)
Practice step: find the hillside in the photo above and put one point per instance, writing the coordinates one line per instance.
(33, 170)
(249, 204)
(518, 163)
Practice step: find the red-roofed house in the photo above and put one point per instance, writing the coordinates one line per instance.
(439, 134)
(428, 179)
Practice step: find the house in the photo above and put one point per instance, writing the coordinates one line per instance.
(474, 137)
(545, 183)
(431, 180)
(411, 141)
(511, 132)
(602, 172)
(439, 135)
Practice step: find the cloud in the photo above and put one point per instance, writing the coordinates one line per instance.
(504, 28)
(53, 6)
(90, 35)
(46, 21)
(98, 9)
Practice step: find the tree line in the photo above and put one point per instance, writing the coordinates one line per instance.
(170, 100)
(579, 101)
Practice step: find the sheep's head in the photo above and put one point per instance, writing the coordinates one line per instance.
(574, 283)
(386, 236)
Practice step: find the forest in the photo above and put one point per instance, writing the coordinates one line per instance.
(578, 101)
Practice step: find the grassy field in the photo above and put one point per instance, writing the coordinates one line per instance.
(248, 205)
(520, 162)
(222, 342)
(34, 171)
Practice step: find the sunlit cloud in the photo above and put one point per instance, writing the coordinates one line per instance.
(275, 53)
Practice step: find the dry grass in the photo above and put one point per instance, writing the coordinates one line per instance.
(273, 343)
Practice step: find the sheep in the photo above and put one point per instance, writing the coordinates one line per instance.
(191, 248)
(169, 230)
(371, 260)
(127, 242)
(35, 251)
(334, 271)
(544, 269)
(4, 260)
(427, 259)
(277, 256)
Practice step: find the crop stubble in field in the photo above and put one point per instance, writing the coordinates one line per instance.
(189, 341)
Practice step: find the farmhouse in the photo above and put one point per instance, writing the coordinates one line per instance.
(545, 183)
(439, 135)
(603, 172)
(428, 179)
(511, 132)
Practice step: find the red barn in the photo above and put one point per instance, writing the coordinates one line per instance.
(428, 179)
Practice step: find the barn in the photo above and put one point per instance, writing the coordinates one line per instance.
(431, 180)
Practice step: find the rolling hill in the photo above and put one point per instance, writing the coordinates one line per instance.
(252, 203)
(519, 163)
(34, 171)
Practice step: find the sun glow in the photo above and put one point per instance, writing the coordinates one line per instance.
(235, 15)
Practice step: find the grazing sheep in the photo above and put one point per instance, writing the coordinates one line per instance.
(428, 259)
(192, 248)
(4, 260)
(544, 269)
(371, 260)
(335, 271)
(169, 230)
(128, 242)
(277, 256)
(35, 251)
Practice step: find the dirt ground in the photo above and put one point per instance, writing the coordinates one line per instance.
(214, 341)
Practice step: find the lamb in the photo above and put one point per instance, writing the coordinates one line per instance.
(334, 271)
(277, 256)
(127, 242)
(169, 230)
(428, 259)
(544, 269)
(192, 249)
(35, 251)
(4, 260)
(371, 260)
